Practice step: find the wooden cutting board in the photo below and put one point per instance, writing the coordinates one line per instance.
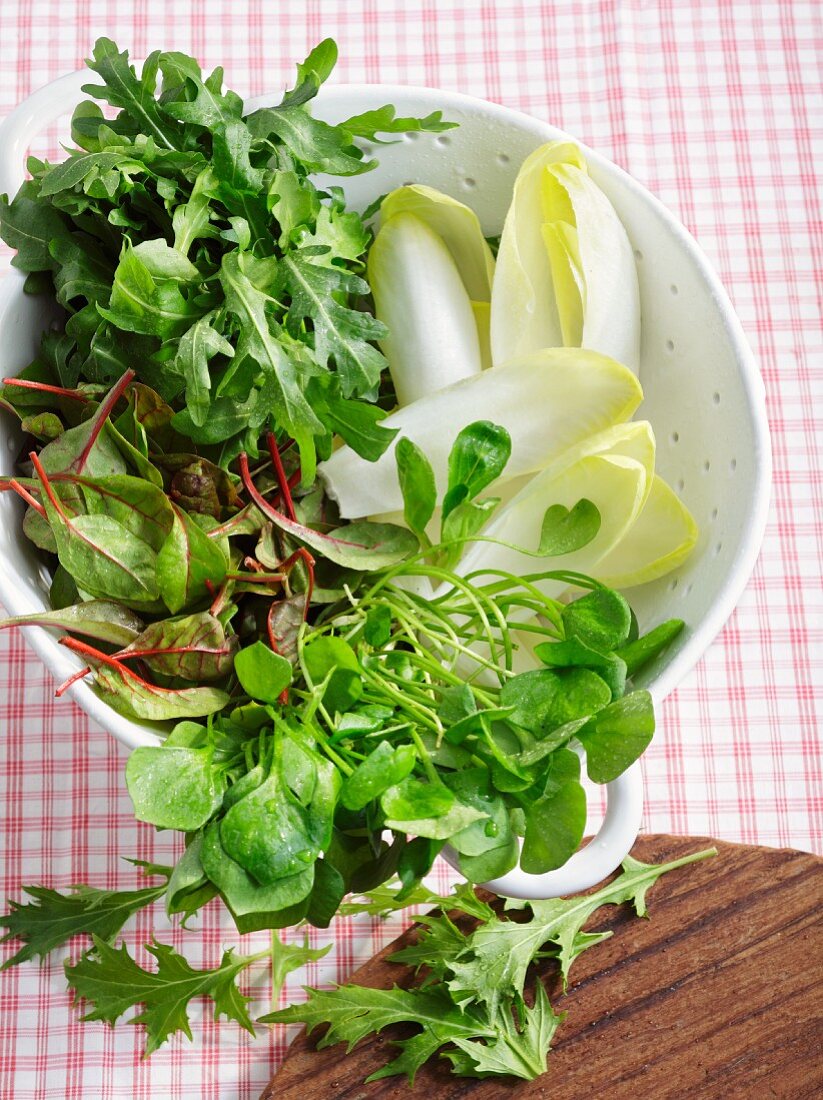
(718, 995)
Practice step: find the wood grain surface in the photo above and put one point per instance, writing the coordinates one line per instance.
(718, 995)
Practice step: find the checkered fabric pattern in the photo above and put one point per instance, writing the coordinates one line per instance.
(716, 108)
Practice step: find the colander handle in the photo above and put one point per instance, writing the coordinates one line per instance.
(30, 118)
(624, 809)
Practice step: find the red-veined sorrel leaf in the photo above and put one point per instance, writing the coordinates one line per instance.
(362, 545)
(87, 448)
(133, 697)
(101, 619)
(188, 563)
(105, 558)
(194, 647)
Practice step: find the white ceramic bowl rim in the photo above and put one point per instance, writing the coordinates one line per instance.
(624, 796)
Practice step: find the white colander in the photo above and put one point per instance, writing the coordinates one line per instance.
(703, 396)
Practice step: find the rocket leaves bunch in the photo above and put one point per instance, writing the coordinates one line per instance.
(185, 238)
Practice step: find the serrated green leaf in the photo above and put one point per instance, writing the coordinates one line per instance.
(113, 982)
(52, 919)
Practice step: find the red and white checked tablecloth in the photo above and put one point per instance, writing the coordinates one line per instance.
(714, 106)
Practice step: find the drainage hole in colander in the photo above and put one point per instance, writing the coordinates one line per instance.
(638, 255)
(673, 585)
(670, 345)
(733, 465)
(673, 289)
(716, 398)
(675, 437)
(411, 136)
(503, 158)
(681, 485)
(443, 139)
(469, 184)
(706, 466)
(687, 589)
(718, 548)
(714, 513)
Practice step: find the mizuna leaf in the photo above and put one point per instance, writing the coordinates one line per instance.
(354, 1012)
(494, 963)
(520, 1049)
(112, 982)
(52, 919)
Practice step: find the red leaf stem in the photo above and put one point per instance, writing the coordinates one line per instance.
(54, 500)
(44, 387)
(256, 578)
(102, 415)
(282, 480)
(64, 687)
(23, 492)
(283, 697)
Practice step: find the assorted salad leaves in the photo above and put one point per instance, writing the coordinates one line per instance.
(367, 635)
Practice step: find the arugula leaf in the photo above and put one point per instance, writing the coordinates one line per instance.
(311, 73)
(287, 957)
(52, 919)
(147, 299)
(257, 342)
(122, 88)
(30, 227)
(318, 294)
(383, 120)
(200, 343)
(112, 982)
